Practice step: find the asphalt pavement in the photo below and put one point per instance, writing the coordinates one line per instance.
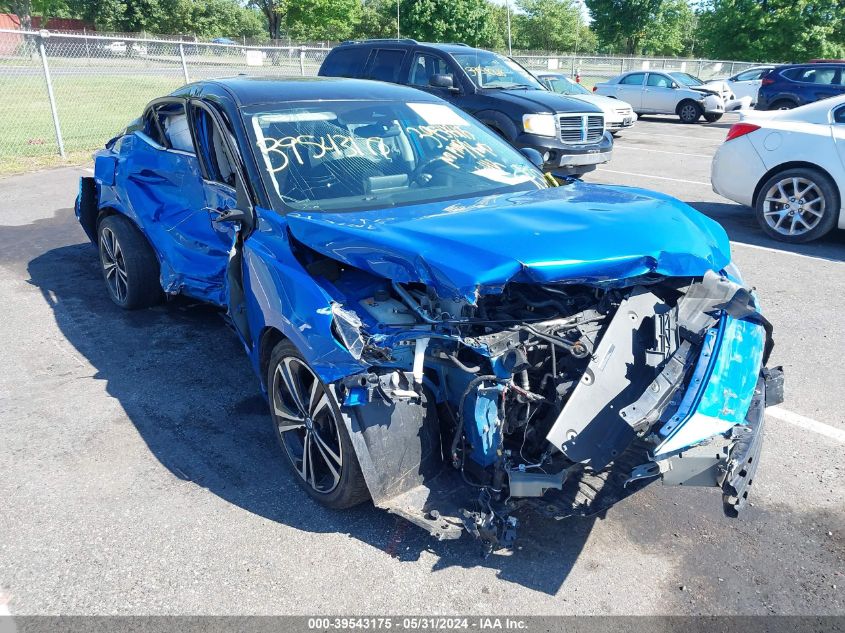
(139, 473)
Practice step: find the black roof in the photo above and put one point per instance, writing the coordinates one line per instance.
(254, 90)
(408, 43)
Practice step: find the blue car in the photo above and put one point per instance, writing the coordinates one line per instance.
(438, 326)
(792, 85)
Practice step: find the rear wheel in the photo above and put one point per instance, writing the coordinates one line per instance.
(129, 265)
(689, 112)
(797, 205)
(309, 426)
(783, 104)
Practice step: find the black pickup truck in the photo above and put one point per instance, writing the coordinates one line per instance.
(569, 134)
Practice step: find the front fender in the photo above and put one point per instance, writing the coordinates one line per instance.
(281, 294)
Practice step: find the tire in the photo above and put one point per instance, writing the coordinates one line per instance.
(130, 267)
(318, 450)
(712, 118)
(783, 104)
(689, 112)
(797, 205)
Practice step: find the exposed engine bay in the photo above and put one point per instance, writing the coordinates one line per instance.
(534, 386)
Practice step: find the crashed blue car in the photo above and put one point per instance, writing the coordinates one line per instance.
(437, 325)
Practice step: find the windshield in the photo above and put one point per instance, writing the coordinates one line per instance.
(687, 79)
(490, 70)
(564, 85)
(356, 155)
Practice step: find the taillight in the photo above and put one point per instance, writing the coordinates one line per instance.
(767, 81)
(594, 88)
(740, 129)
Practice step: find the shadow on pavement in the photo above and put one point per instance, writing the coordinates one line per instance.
(741, 226)
(184, 381)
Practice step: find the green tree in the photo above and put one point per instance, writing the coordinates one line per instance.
(378, 19)
(275, 12)
(551, 25)
(623, 23)
(323, 19)
(673, 30)
(773, 30)
(213, 18)
(466, 21)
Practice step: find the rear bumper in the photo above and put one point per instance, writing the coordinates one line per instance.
(736, 169)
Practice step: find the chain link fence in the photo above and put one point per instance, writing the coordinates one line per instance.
(65, 94)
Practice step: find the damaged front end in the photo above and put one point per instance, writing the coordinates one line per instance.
(558, 396)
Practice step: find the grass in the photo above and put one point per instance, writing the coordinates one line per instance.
(91, 111)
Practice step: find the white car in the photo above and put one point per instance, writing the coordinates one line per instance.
(618, 114)
(789, 166)
(654, 92)
(747, 83)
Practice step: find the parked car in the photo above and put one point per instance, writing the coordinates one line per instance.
(618, 115)
(568, 133)
(224, 40)
(793, 85)
(789, 166)
(652, 92)
(715, 86)
(747, 82)
(438, 326)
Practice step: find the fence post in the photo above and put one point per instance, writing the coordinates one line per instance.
(41, 37)
(572, 74)
(302, 62)
(184, 65)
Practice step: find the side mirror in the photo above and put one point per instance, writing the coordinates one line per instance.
(232, 215)
(675, 86)
(442, 81)
(533, 155)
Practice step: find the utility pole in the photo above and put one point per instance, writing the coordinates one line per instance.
(397, 20)
(510, 48)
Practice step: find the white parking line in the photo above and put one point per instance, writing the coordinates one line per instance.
(617, 146)
(681, 137)
(808, 424)
(630, 173)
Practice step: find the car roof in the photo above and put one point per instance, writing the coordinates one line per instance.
(248, 90)
(448, 47)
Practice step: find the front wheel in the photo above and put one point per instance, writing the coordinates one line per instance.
(797, 205)
(689, 112)
(712, 118)
(310, 429)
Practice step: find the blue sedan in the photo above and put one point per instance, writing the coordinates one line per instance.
(437, 325)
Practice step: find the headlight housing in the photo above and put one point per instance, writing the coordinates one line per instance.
(539, 124)
(347, 328)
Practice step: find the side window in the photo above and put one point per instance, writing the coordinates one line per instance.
(750, 75)
(636, 79)
(345, 62)
(825, 76)
(173, 122)
(424, 66)
(211, 147)
(839, 116)
(659, 81)
(386, 65)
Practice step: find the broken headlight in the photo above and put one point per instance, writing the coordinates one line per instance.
(347, 328)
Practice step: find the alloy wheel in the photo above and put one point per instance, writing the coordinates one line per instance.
(114, 265)
(689, 112)
(793, 206)
(307, 424)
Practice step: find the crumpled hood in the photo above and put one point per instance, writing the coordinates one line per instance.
(543, 100)
(578, 233)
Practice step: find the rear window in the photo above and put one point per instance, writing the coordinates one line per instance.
(345, 62)
(386, 65)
